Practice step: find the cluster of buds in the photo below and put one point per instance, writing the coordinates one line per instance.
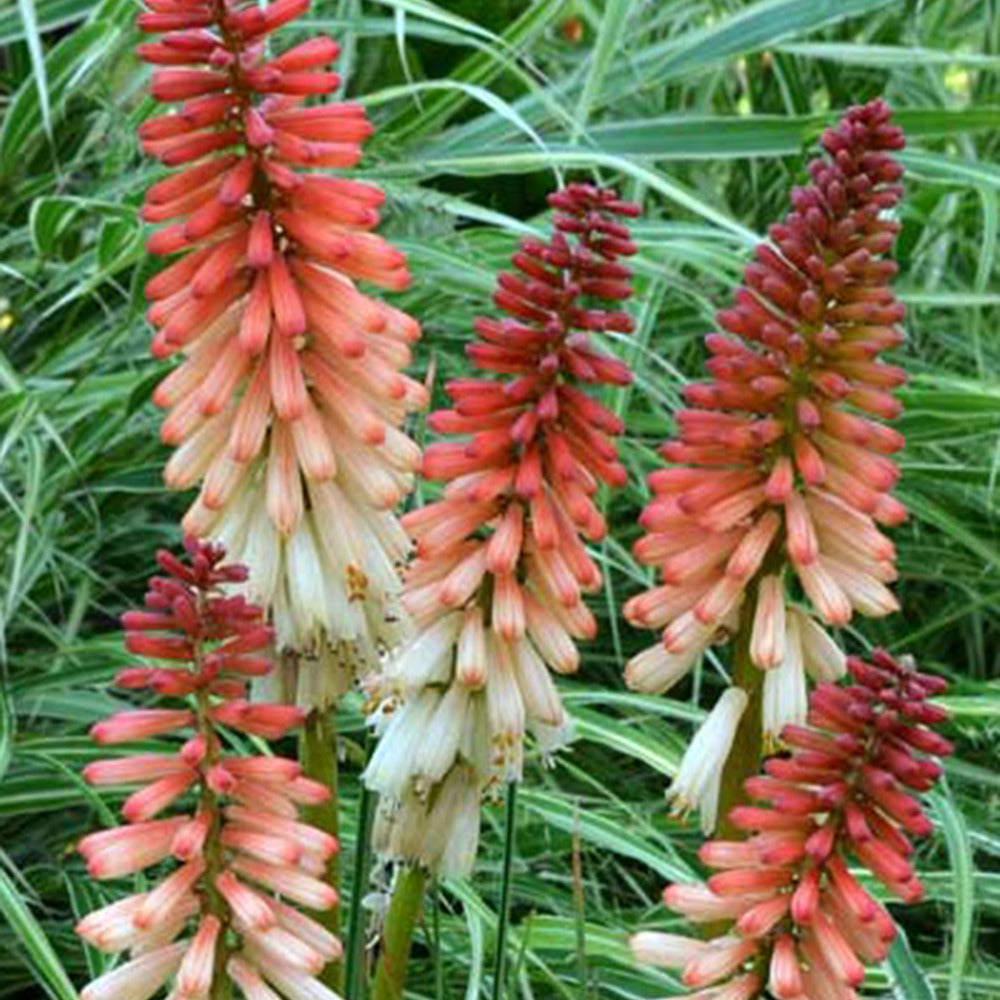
(771, 462)
(496, 588)
(288, 404)
(243, 857)
(802, 924)
(780, 475)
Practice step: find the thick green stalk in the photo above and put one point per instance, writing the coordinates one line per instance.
(354, 945)
(502, 917)
(747, 751)
(397, 937)
(318, 755)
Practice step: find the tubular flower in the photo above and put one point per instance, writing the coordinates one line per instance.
(782, 460)
(288, 403)
(696, 785)
(243, 858)
(496, 587)
(802, 924)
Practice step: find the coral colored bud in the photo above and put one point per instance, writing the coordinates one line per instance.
(269, 721)
(140, 724)
(785, 976)
(761, 918)
(805, 898)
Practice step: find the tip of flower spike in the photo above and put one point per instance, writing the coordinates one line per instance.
(864, 128)
(203, 570)
(579, 198)
(885, 670)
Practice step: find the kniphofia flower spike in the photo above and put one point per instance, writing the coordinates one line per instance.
(243, 862)
(780, 474)
(496, 589)
(288, 404)
(801, 924)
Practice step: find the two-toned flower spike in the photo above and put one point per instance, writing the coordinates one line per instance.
(801, 925)
(241, 862)
(287, 407)
(496, 589)
(769, 514)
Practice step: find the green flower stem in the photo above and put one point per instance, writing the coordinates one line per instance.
(355, 942)
(397, 937)
(747, 751)
(503, 915)
(318, 755)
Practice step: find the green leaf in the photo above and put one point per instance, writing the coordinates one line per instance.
(477, 950)
(697, 137)
(944, 169)
(49, 221)
(49, 15)
(67, 67)
(759, 26)
(7, 729)
(437, 15)
(486, 97)
(960, 852)
(119, 243)
(960, 533)
(860, 54)
(486, 164)
(609, 40)
(44, 961)
(622, 736)
(753, 28)
(478, 70)
(907, 980)
(670, 708)
(604, 832)
(33, 38)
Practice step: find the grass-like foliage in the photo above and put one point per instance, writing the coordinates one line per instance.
(705, 111)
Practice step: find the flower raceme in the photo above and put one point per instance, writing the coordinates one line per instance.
(288, 404)
(496, 587)
(781, 461)
(244, 860)
(802, 924)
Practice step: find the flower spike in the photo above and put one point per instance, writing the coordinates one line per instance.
(780, 475)
(288, 403)
(781, 454)
(802, 925)
(236, 839)
(496, 589)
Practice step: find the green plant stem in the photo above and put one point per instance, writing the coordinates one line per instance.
(397, 937)
(748, 745)
(508, 858)
(318, 755)
(354, 945)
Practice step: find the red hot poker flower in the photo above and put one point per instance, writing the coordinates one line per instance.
(243, 856)
(538, 443)
(782, 458)
(803, 926)
(496, 588)
(287, 406)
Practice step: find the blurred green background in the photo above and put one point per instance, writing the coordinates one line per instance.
(706, 112)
